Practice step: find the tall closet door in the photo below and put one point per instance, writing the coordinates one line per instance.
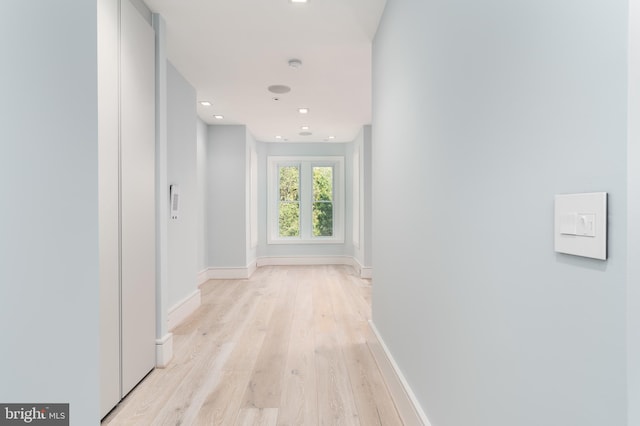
(126, 125)
(109, 202)
(137, 194)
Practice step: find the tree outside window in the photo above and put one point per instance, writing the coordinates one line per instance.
(306, 200)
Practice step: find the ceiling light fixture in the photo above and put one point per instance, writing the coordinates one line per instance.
(278, 137)
(303, 110)
(295, 63)
(218, 117)
(279, 89)
(205, 103)
(298, 1)
(332, 137)
(304, 128)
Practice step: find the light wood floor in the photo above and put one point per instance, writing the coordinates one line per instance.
(286, 347)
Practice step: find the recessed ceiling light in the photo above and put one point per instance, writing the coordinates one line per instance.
(205, 103)
(279, 88)
(298, 1)
(218, 117)
(278, 137)
(304, 127)
(332, 137)
(295, 63)
(303, 110)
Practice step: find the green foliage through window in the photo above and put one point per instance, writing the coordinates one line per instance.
(323, 201)
(289, 211)
(306, 201)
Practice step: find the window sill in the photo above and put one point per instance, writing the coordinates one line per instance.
(331, 240)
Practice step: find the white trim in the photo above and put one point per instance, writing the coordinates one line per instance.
(232, 273)
(366, 272)
(164, 350)
(181, 310)
(633, 209)
(305, 260)
(251, 268)
(202, 277)
(355, 194)
(406, 402)
(362, 271)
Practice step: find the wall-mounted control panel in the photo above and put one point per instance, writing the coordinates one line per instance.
(581, 224)
(174, 196)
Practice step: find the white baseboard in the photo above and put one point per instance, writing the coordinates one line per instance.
(247, 271)
(181, 310)
(252, 268)
(366, 272)
(232, 273)
(202, 277)
(408, 407)
(362, 271)
(164, 350)
(305, 260)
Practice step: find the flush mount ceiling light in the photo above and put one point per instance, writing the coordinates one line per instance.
(331, 137)
(218, 117)
(295, 63)
(205, 103)
(279, 89)
(303, 110)
(298, 1)
(304, 128)
(278, 137)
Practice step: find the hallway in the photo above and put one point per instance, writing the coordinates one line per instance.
(286, 347)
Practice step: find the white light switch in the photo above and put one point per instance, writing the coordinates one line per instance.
(586, 225)
(568, 223)
(581, 224)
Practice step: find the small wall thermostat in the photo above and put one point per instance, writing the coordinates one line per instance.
(581, 224)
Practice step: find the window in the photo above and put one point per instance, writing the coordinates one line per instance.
(306, 200)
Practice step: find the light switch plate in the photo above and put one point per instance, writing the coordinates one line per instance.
(581, 224)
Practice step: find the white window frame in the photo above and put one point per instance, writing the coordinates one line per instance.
(305, 165)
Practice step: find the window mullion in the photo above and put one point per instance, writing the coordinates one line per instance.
(306, 194)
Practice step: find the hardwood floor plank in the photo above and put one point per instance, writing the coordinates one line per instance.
(285, 347)
(374, 403)
(223, 404)
(265, 386)
(257, 417)
(336, 404)
(299, 402)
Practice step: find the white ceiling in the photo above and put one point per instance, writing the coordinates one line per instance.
(232, 50)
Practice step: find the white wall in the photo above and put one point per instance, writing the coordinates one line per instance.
(182, 170)
(226, 196)
(251, 206)
(362, 146)
(49, 220)
(201, 152)
(353, 152)
(633, 232)
(483, 110)
(366, 180)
